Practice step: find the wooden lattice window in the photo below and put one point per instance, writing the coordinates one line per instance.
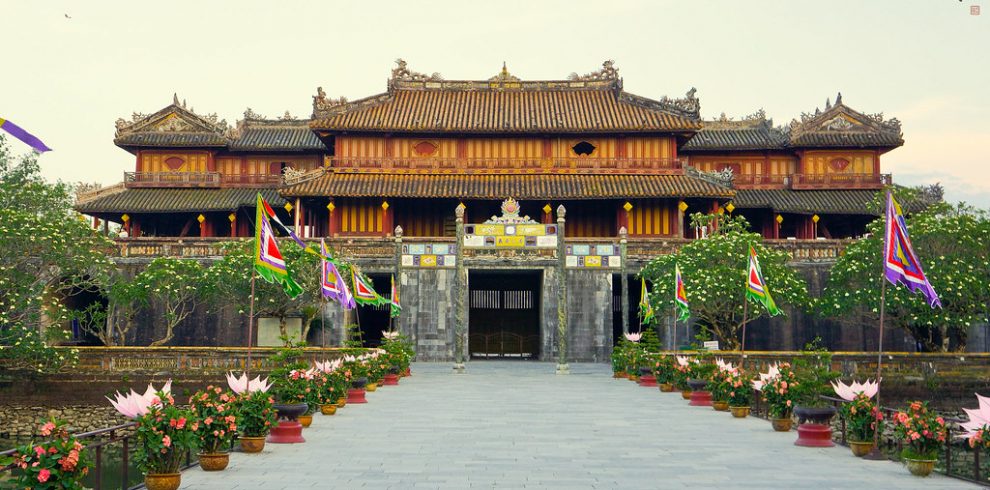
(174, 163)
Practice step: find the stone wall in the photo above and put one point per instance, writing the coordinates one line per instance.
(589, 315)
(20, 421)
(428, 312)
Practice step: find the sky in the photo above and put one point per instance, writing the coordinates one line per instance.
(69, 69)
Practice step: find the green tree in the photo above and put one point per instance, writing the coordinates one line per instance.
(230, 279)
(714, 272)
(46, 254)
(952, 243)
(174, 287)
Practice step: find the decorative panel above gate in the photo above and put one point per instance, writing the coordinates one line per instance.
(510, 231)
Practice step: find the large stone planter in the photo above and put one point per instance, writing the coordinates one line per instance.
(699, 397)
(288, 430)
(814, 429)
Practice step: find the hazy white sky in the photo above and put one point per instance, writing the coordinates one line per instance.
(67, 79)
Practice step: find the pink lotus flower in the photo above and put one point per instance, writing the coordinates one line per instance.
(850, 392)
(329, 366)
(242, 385)
(723, 366)
(134, 405)
(772, 373)
(633, 337)
(979, 418)
(682, 361)
(390, 335)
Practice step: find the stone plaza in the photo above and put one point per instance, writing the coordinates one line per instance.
(518, 425)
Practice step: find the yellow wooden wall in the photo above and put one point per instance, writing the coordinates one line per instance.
(749, 164)
(422, 218)
(653, 217)
(817, 162)
(261, 164)
(360, 216)
(523, 148)
(154, 161)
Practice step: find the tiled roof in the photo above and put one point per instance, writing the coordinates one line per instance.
(755, 133)
(517, 107)
(178, 200)
(844, 140)
(839, 126)
(275, 135)
(171, 139)
(172, 126)
(806, 202)
(500, 186)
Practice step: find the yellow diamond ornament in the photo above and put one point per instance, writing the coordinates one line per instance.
(331, 207)
(682, 206)
(125, 218)
(780, 219)
(627, 206)
(385, 205)
(730, 207)
(547, 208)
(232, 217)
(815, 218)
(201, 218)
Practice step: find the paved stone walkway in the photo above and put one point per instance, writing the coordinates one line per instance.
(517, 425)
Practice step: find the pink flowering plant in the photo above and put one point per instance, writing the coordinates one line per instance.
(780, 392)
(294, 387)
(922, 431)
(165, 435)
(664, 370)
(58, 463)
(977, 429)
(255, 413)
(216, 411)
(860, 412)
(740, 388)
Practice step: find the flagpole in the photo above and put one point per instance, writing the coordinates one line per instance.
(742, 348)
(250, 339)
(875, 453)
(673, 316)
(323, 319)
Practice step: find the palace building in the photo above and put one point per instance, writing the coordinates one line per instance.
(416, 180)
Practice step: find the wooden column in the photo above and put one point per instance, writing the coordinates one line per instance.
(134, 228)
(297, 216)
(203, 227)
(331, 219)
(233, 224)
(387, 218)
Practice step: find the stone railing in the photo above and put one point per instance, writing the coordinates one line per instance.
(187, 360)
(170, 247)
(839, 181)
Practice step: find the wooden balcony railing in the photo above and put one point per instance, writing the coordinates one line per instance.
(588, 165)
(760, 181)
(839, 181)
(198, 179)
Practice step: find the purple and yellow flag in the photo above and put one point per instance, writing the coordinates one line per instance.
(900, 264)
(331, 284)
(19, 133)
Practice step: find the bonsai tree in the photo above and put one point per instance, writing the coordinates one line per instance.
(953, 244)
(714, 271)
(813, 371)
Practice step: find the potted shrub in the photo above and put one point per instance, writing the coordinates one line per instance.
(681, 375)
(814, 375)
(255, 410)
(58, 463)
(650, 350)
(358, 366)
(396, 354)
(216, 411)
(290, 403)
(862, 416)
(740, 393)
(777, 387)
(255, 418)
(923, 434)
(328, 386)
(699, 376)
(620, 358)
(663, 370)
(721, 385)
(977, 429)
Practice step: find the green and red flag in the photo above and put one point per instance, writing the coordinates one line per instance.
(680, 296)
(756, 286)
(394, 301)
(645, 308)
(268, 260)
(364, 294)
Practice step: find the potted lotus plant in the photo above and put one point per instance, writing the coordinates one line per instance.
(255, 411)
(720, 385)
(863, 418)
(682, 372)
(329, 385)
(58, 463)
(290, 394)
(634, 355)
(358, 367)
(777, 387)
(165, 434)
(216, 411)
(977, 429)
(923, 434)
(395, 355)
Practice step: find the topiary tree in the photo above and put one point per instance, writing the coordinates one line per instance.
(953, 244)
(714, 271)
(46, 254)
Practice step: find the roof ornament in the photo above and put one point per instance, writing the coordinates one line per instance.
(608, 72)
(504, 76)
(402, 72)
(838, 98)
(323, 105)
(510, 214)
(287, 117)
(175, 98)
(250, 114)
(688, 104)
(828, 103)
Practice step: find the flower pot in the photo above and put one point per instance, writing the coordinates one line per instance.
(328, 409)
(918, 467)
(699, 397)
(359, 383)
(341, 402)
(739, 412)
(288, 430)
(391, 379)
(686, 394)
(648, 380)
(782, 425)
(860, 448)
(632, 377)
(371, 387)
(666, 387)
(814, 429)
(252, 444)
(162, 481)
(306, 420)
(356, 395)
(720, 406)
(214, 461)
(618, 375)
(407, 373)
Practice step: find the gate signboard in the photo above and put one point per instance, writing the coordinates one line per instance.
(510, 231)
